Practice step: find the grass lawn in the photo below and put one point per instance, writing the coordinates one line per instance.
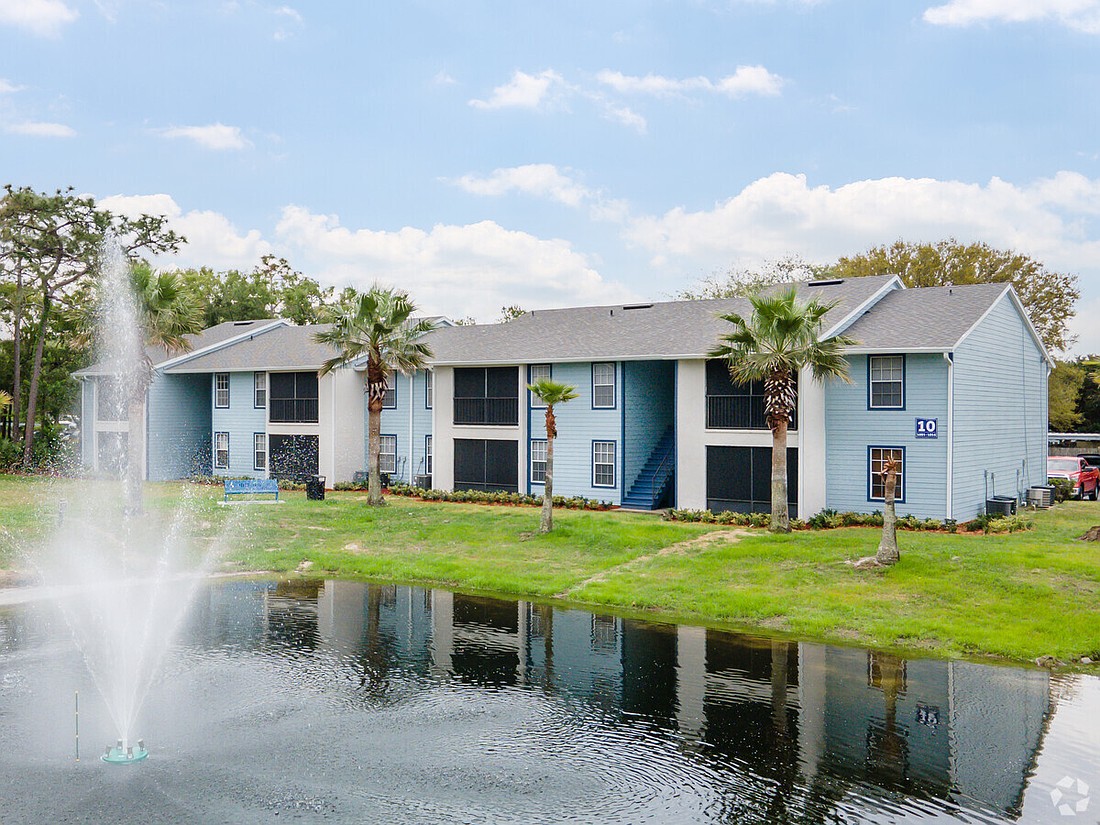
(1015, 596)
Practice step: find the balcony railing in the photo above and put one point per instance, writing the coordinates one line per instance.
(293, 410)
(738, 412)
(491, 411)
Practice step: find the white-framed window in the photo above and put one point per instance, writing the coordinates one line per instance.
(221, 451)
(259, 451)
(876, 485)
(538, 461)
(389, 402)
(387, 458)
(259, 383)
(536, 373)
(429, 390)
(603, 463)
(221, 390)
(603, 386)
(428, 454)
(887, 379)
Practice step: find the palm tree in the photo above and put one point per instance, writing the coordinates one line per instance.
(550, 393)
(377, 325)
(774, 345)
(888, 547)
(167, 313)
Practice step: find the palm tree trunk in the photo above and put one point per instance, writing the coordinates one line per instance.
(17, 354)
(888, 552)
(135, 454)
(374, 448)
(781, 519)
(546, 522)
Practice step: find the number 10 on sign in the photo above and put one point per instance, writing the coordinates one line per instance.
(927, 428)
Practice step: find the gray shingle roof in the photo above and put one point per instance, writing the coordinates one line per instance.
(282, 348)
(209, 337)
(930, 318)
(669, 329)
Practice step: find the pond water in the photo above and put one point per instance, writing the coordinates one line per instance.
(348, 702)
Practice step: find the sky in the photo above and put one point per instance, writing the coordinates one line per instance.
(485, 154)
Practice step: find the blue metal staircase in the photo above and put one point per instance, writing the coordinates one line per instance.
(654, 479)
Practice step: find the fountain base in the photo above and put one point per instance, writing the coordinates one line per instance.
(117, 755)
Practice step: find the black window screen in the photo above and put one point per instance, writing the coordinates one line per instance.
(292, 456)
(732, 406)
(483, 464)
(739, 479)
(486, 395)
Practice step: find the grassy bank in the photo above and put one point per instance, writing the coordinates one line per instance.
(1016, 596)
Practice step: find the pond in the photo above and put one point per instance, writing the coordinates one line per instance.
(349, 702)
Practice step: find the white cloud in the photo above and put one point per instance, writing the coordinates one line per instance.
(524, 91)
(539, 179)
(7, 87)
(217, 136)
(455, 270)
(212, 239)
(33, 128)
(287, 11)
(1082, 15)
(443, 78)
(42, 17)
(747, 80)
(627, 117)
(1053, 219)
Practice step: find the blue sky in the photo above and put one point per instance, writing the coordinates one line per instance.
(483, 154)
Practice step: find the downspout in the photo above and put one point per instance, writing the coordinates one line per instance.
(949, 357)
(412, 405)
(332, 426)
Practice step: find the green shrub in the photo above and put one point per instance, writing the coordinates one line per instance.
(1063, 488)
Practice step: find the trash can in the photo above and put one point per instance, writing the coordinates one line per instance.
(315, 488)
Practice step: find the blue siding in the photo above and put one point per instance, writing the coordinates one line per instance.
(241, 420)
(410, 402)
(578, 426)
(1000, 410)
(179, 431)
(649, 408)
(851, 428)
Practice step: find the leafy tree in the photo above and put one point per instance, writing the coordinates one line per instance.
(51, 243)
(379, 328)
(510, 313)
(1048, 296)
(741, 282)
(1064, 391)
(550, 393)
(781, 337)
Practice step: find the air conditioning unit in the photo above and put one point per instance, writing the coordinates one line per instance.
(1000, 506)
(1040, 496)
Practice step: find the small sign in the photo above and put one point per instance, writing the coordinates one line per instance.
(928, 428)
(928, 715)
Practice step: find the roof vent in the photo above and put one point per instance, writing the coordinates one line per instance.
(243, 323)
(637, 306)
(832, 282)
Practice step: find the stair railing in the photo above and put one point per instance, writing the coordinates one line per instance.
(660, 477)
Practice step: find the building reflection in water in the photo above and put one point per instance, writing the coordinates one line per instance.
(808, 724)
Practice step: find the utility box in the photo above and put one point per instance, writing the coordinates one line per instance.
(1040, 496)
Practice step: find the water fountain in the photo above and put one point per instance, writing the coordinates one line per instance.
(123, 580)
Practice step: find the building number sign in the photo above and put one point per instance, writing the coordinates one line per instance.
(927, 428)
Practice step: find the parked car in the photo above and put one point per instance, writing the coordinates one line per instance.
(1090, 458)
(1083, 476)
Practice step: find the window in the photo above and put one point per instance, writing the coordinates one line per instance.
(603, 463)
(737, 406)
(259, 382)
(259, 451)
(887, 379)
(603, 386)
(486, 395)
(428, 453)
(536, 373)
(876, 486)
(429, 390)
(538, 461)
(293, 397)
(221, 451)
(389, 402)
(221, 390)
(387, 458)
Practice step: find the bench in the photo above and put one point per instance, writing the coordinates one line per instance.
(251, 487)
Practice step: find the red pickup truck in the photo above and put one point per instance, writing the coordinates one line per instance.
(1084, 477)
